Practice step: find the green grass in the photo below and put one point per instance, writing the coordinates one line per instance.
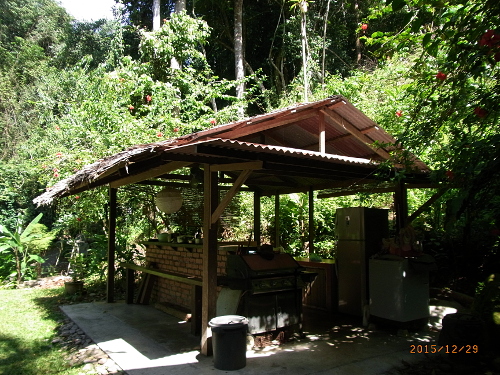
(28, 323)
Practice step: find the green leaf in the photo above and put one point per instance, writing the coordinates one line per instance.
(398, 5)
(426, 40)
(433, 49)
(417, 24)
(30, 227)
(36, 258)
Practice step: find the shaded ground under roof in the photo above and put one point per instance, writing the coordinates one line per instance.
(146, 341)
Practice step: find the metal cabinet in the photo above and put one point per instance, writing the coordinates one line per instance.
(270, 311)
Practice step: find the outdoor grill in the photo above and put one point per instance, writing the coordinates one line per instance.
(271, 289)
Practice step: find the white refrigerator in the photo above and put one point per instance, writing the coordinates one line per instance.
(359, 231)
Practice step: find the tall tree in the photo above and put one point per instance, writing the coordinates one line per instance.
(238, 53)
(180, 6)
(156, 15)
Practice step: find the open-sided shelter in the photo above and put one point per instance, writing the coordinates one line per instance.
(327, 146)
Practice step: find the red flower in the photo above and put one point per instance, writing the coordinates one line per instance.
(57, 127)
(364, 26)
(213, 121)
(480, 112)
(495, 232)
(441, 76)
(79, 219)
(159, 134)
(399, 113)
(490, 38)
(55, 170)
(131, 107)
(77, 197)
(148, 98)
(59, 154)
(56, 174)
(176, 130)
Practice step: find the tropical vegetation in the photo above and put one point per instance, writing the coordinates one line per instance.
(75, 91)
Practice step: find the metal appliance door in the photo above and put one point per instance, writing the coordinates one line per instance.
(288, 311)
(349, 223)
(352, 277)
(260, 310)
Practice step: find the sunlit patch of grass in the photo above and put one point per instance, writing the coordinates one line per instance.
(28, 323)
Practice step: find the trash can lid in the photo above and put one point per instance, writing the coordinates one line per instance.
(228, 321)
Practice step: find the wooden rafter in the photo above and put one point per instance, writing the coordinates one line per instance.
(427, 204)
(339, 121)
(230, 194)
(151, 173)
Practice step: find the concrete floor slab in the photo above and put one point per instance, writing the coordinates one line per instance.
(146, 341)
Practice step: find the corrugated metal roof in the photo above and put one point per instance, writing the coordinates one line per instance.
(288, 142)
(277, 150)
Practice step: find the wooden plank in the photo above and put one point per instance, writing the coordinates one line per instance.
(166, 275)
(253, 165)
(356, 191)
(229, 195)
(148, 289)
(151, 173)
(110, 285)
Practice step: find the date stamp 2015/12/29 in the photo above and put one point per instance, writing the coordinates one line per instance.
(448, 349)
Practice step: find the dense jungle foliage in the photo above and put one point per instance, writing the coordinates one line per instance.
(72, 92)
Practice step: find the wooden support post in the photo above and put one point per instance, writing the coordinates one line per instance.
(256, 217)
(277, 220)
(110, 290)
(209, 289)
(322, 136)
(196, 309)
(311, 221)
(401, 205)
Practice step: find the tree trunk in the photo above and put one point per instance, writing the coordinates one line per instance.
(358, 41)
(156, 15)
(180, 5)
(238, 54)
(303, 34)
(325, 23)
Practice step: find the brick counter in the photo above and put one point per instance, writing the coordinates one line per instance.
(184, 259)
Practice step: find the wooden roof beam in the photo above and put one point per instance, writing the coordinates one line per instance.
(230, 194)
(151, 173)
(339, 121)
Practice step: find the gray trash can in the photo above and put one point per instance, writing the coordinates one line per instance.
(229, 341)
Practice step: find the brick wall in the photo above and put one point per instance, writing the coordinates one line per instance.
(183, 261)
